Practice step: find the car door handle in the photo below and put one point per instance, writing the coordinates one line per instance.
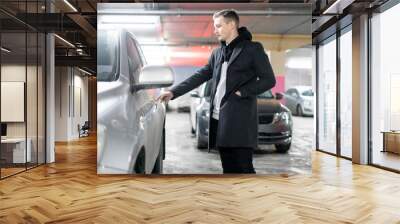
(155, 105)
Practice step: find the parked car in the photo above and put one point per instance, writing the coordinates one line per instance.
(199, 114)
(300, 100)
(196, 96)
(131, 136)
(275, 120)
(183, 103)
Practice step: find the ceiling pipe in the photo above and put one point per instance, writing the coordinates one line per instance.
(267, 12)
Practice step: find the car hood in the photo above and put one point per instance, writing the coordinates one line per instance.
(270, 106)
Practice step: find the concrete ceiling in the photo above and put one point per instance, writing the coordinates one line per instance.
(187, 28)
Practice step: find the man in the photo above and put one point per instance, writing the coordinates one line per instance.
(239, 70)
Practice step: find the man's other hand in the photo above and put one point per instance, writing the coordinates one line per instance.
(165, 96)
(238, 93)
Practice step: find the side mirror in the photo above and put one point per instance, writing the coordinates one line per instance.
(194, 94)
(278, 96)
(154, 76)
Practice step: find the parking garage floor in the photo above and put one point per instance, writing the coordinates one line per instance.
(183, 157)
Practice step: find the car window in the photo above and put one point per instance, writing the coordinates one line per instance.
(134, 60)
(291, 92)
(308, 93)
(108, 55)
(266, 95)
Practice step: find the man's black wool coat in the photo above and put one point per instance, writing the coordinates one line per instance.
(250, 72)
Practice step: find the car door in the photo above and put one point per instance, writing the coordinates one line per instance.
(196, 101)
(150, 120)
(297, 99)
(120, 137)
(289, 99)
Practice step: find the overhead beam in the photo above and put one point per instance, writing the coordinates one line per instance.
(86, 26)
(82, 61)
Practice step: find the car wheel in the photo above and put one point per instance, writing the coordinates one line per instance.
(200, 143)
(158, 165)
(140, 163)
(299, 111)
(282, 148)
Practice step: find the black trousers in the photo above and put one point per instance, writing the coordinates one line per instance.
(234, 159)
(237, 160)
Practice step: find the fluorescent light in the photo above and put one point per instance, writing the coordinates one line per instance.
(64, 40)
(299, 63)
(338, 6)
(84, 71)
(5, 50)
(70, 5)
(130, 19)
(331, 7)
(130, 26)
(135, 23)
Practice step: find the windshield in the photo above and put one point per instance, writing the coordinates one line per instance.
(266, 95)
(107, 55)
(308, 93)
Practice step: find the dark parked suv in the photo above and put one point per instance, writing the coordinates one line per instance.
(274, 119)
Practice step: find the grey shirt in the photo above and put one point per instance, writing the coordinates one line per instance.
(221, 88)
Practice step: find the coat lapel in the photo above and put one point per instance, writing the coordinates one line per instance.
(236, 52)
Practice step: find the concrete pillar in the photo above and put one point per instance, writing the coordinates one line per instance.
(360, 90)
(278, 60)
(50, 99)
(50, 92)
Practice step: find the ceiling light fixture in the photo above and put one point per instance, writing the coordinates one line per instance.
(5, 50)
(70, 5)
(337, 7)
(84, 71)
(64, 40)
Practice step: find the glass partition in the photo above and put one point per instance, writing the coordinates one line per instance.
(385, 88)
(31, 97)
(346, 93)
(327, 95)
(22, 88)
(14, 153)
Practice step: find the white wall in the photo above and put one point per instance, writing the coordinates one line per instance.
(71, 87)
(33, 125)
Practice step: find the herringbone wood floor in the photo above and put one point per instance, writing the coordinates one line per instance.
(70, 191)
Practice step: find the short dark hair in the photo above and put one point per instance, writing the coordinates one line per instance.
(229, 15)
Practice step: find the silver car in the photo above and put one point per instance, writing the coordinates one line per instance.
(300, 100)
(130, 131)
